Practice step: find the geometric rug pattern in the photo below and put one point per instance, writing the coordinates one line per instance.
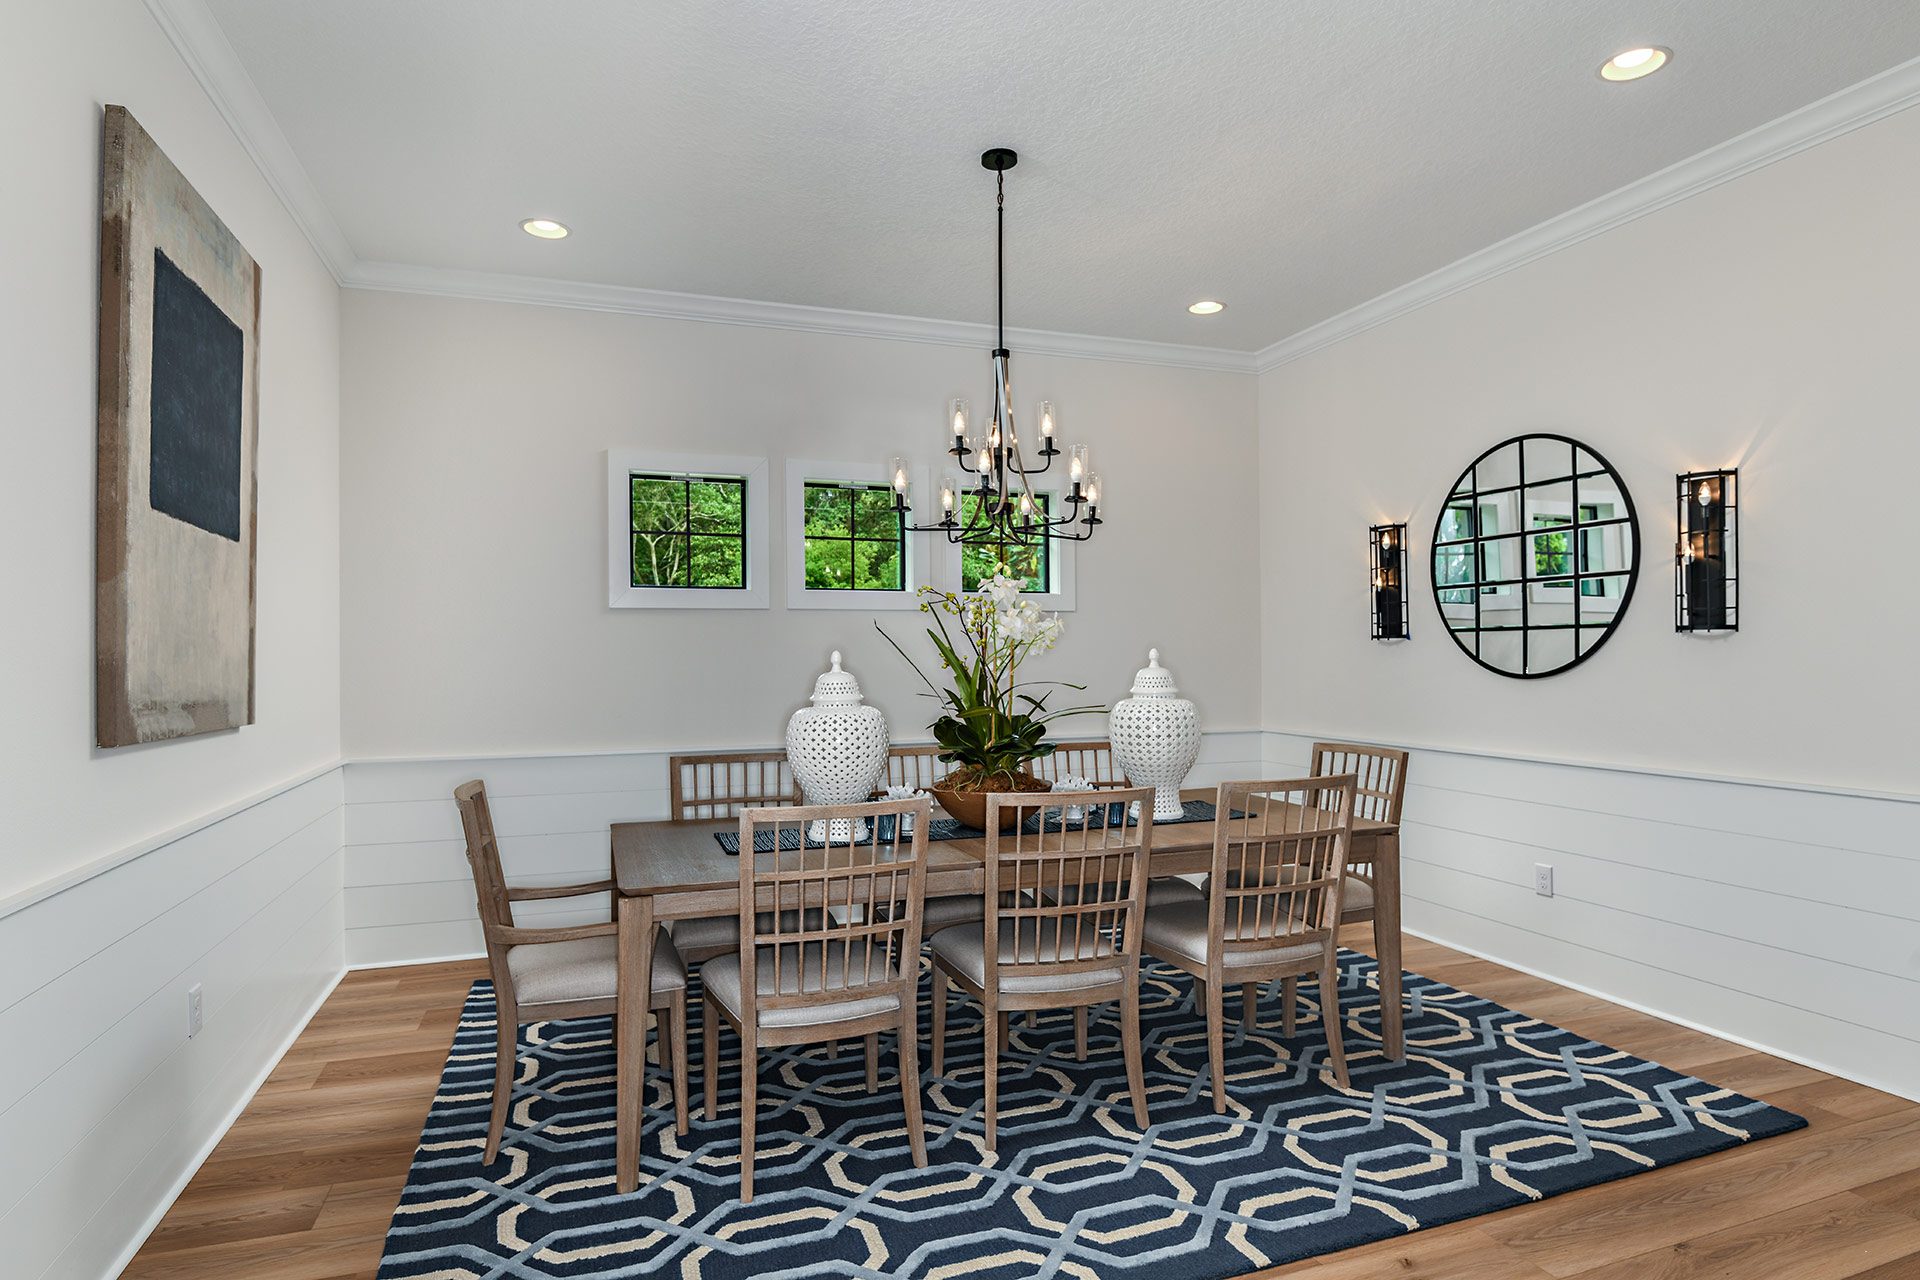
(1490, 1109)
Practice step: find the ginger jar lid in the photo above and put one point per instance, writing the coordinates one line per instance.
(836, 688)
(1153, 680)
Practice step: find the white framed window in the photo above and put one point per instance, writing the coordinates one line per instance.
(1046, 564)
(847, 548)
(686, 530)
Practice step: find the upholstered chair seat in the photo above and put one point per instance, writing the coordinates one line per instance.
(1181, 929)
(712, 935)
(964, 951)
(585, 969)
(800, 970)
(951, 909)
(1162, 891)
(1356, 897)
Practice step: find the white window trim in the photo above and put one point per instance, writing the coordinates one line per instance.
(621, 593)
(1060, 599)
(799, 595)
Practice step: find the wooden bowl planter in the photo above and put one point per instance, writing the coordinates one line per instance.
(969, 805)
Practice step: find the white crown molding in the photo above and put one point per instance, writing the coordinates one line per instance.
(197, 36)
(395, 277)
(1873, 99)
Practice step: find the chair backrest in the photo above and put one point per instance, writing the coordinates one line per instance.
(483, 859)
(1278, 870)
(1091, 759)
(722, 785)
(797, 895)
(917, 766)
(1065, 887)
(1381, 774)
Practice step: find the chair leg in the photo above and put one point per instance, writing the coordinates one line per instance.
(1130, 1050)
(1216, 1046)
(1080, 1033)
(910, 1086)
(749, 1103)
(873, 1063)
(939, 1021)
(833, 1051)
(1006, 1030)
(506, 1060)
(677, 1033)
(710, 1056)
(1330, 1017)
(1249, 1003)
(993, 1026)
(1289, 1002)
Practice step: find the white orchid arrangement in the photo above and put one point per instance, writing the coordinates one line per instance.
(992, 726)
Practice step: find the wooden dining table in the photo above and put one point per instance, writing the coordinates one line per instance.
(677, 871)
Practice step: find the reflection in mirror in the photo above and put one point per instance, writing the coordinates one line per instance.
(1547, 458)
(1532, 572)
(1497, 470)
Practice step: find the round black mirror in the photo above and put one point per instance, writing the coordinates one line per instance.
(1535, 555)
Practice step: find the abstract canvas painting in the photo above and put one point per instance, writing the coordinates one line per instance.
(179, 408)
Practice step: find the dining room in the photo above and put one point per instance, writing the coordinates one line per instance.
(573, 717)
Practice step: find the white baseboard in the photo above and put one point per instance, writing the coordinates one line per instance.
(1718, 1033)
(411, 962)
(219, 1133)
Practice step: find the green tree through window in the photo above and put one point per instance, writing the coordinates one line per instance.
(689, 531)
(1027, 559)
(853, 539)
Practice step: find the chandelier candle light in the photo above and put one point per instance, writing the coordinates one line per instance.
(992, 465)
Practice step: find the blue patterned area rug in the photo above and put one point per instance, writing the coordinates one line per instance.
(1492, 1109)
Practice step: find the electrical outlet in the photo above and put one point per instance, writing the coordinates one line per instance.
(193, 1010)
(1543, 879)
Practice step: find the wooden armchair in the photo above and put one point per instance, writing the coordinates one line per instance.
(569, 972)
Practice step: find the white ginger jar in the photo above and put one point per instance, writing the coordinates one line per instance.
(837, 749)
(1156, 736)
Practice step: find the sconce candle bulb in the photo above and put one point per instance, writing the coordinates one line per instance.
(1389, 582)
(1706, 574)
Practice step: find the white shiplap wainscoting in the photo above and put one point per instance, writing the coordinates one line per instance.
(110, 1107)
(1783, 917)
(409, 897)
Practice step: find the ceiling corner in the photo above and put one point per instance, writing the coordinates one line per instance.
(197, 36)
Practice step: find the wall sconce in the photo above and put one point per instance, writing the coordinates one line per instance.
(1389, 561)
(1706, 562)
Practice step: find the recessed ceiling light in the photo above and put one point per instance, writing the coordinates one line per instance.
(545, 228)
(1635, 63)
(1207, 307)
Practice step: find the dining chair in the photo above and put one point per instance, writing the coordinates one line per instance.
(566, 972)
(918, 765)
(813, 967)
(1272, 908)
(1034, 949)
(721, 785)
(1381, 784)
(1090, 758)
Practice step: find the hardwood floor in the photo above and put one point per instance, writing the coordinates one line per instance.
(303, 1186)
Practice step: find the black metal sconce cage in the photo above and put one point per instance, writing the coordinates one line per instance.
(1389, 562)
(1706, 560)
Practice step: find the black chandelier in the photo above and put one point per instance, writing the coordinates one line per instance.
(992, 469)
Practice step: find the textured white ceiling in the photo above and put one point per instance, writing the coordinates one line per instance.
(1294, 159)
